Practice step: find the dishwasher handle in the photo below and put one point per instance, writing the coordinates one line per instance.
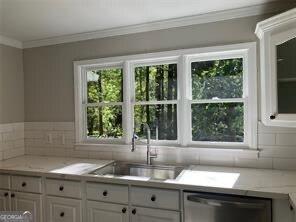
(216, 202)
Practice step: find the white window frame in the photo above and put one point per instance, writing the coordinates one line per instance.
(150, 62)
(247, 51)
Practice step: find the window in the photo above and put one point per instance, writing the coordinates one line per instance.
(217, 105)
(156, 100)
(103, 107)
(195, 97)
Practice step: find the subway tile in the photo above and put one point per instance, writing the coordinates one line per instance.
(266, 139)
(286, 139)
(273, 129)
(8, 136)
(18, 143)
(100, 155)
(34, 134)
(13, 153)
(63, 126)
(284, 163)
(34, 151)
(217, 160)
(280, 152)
(53, 151)
(263, 163)
(77, 153)
(6, 128)
(38, 126)
(276, 144)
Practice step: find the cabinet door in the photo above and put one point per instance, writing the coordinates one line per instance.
(278, 69)
(63, 210)
(27, 202)
(106, 212)
(4, 200)
(154, 215)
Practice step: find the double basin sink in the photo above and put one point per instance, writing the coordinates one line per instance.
(155, 172)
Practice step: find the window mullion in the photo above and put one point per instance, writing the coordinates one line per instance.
(84, 101)
(183, 105)
(102, 104)
(127, 113)
(207, 101)
(162, 102)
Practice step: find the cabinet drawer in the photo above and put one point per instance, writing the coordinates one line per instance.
(63, 210)
(26, 184)
(4, 181)
(141, 214)
(157, 198)
(107, 192)
(64, 188)
(106, 212)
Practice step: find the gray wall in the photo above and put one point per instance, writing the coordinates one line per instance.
(49, 87)
(11, 85)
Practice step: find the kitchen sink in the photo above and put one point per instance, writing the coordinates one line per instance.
(156, 172)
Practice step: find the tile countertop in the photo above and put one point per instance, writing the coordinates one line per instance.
(241, 181)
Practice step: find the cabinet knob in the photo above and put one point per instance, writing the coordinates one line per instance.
(6, 194)
(272, 117)
(61, 188)
(105, 193)
(24, 184)
(134, 211)
(62, 214)
(12, 195)
(153, 198)
(123, 210)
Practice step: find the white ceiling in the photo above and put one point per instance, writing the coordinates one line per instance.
(27, 20)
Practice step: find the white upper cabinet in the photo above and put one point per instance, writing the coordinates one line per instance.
(278, 69)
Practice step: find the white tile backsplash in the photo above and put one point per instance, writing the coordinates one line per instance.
(277, 148)
(11, 140)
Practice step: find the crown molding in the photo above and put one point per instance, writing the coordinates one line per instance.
(272, 23)
(10, 42)
(165, 24)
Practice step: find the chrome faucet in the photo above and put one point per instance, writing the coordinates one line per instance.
(150, 155)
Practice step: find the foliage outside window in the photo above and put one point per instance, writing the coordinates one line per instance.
(217, 105)
(104, 103)
(154, 85)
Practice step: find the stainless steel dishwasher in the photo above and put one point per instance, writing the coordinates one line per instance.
(205, 207)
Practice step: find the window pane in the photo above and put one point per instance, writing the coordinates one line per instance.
(217, 79)
(104, 85)
(156, 83)
(221, 122)
(162, 120)
(104, 122)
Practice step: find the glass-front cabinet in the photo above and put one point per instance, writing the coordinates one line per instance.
(278, 69)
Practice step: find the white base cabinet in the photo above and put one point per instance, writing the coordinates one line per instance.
(27, 202)
(100, 202)
(63, 210)
(106, 212)
(141, 214)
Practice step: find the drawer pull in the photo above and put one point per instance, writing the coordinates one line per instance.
(61, 188)
(6, 194)
(24, 184)
(134, 211)
(62, 214)
(153, 198)
(105, 193)
(12, 195)
(272, 117)
(123, 210)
